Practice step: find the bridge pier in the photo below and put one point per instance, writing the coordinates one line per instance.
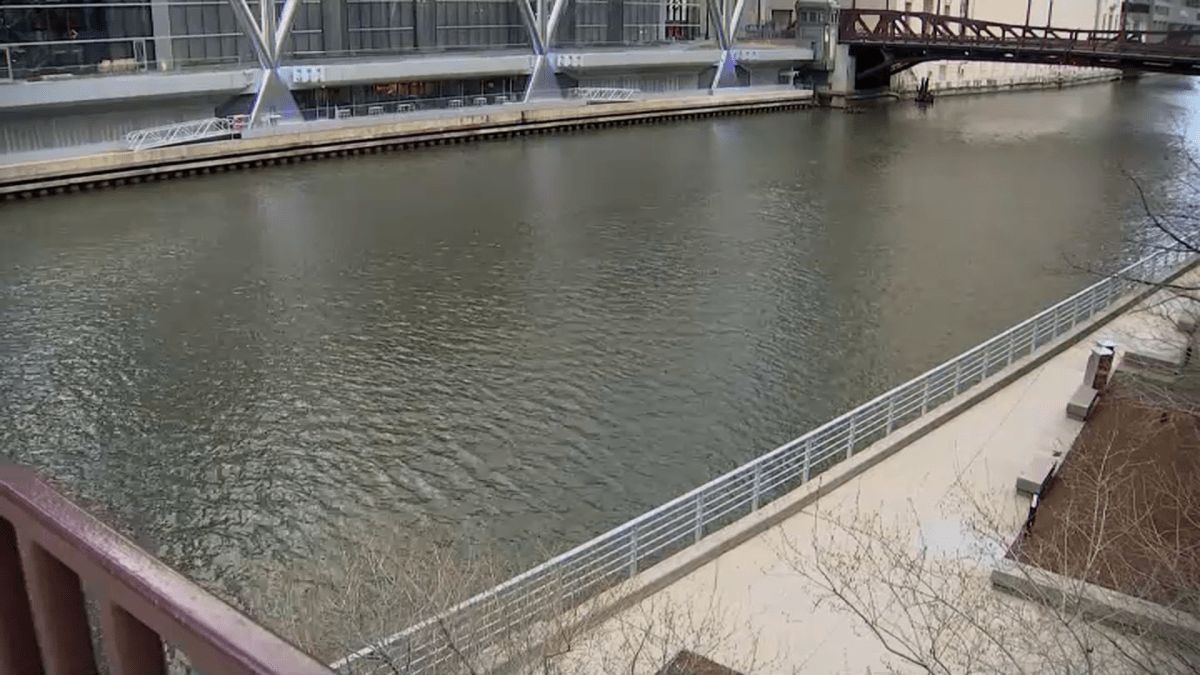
(841, 78)
(845, 81)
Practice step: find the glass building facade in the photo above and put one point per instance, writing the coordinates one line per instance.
(46, 38)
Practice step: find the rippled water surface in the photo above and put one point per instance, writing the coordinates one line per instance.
(540, 338)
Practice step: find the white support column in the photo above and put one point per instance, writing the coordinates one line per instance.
(160, 22)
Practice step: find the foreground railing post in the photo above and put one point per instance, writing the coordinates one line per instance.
(756, 489)
(850, 440)
(633, 552)
(957, 375)
(56, 599)
(698, 533)
(807, 459)
(130, 646)
(18, 646)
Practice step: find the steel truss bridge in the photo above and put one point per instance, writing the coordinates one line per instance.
(887, 42)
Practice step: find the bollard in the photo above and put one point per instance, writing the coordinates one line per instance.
(1105, 351)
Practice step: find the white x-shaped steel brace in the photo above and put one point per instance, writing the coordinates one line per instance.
(268, 34)
(725, 25)
(267, 37)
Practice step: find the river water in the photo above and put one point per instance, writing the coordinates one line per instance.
(538, 338)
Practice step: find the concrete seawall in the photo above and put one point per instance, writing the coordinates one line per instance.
(320, 140)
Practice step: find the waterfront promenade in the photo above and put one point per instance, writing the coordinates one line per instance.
(751, 609)
(50, 172)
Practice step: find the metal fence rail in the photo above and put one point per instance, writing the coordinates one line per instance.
(180, 133)
(603, 94)
(481, 625)
(59, 565)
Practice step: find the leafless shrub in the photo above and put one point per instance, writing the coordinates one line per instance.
(356, 597)
(935, 610)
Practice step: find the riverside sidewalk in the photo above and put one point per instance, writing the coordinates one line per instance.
(751, 610)
(51, 172)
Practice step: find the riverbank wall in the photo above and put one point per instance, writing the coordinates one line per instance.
(319, 140)
(956, 79)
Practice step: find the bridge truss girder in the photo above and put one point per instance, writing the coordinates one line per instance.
(905, 39)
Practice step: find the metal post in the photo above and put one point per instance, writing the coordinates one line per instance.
(130, 647)
(18, 647)
(925, 396)
(850, 438)
(699, 528)
(556, 12)
(633, 552)
(1025, 28)
(59, 615)
(266, 21)
(807, 459)
(957, 375)
(891, 416)
(756, 490)
(283, 31)
(1012, 346)
(1033, 333)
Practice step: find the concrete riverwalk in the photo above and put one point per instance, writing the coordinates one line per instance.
(758, 604)
(53, 173)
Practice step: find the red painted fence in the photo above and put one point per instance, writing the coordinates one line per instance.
(51, 550)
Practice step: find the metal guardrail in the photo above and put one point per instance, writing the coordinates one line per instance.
(482, 623)
(52, 552)
(181, 132)
(409, 105)
(603, 94)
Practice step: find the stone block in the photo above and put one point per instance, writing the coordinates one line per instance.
(1035, 474)
(1187, 324)
(1081, 402)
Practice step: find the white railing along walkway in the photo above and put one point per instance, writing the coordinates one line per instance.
(603, 94)
(181, 132)
(485, 621)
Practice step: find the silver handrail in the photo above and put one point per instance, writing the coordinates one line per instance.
(603, 94)
(469, 629)
(180, 133)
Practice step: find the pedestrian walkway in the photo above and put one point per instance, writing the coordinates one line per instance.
(758, 614)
